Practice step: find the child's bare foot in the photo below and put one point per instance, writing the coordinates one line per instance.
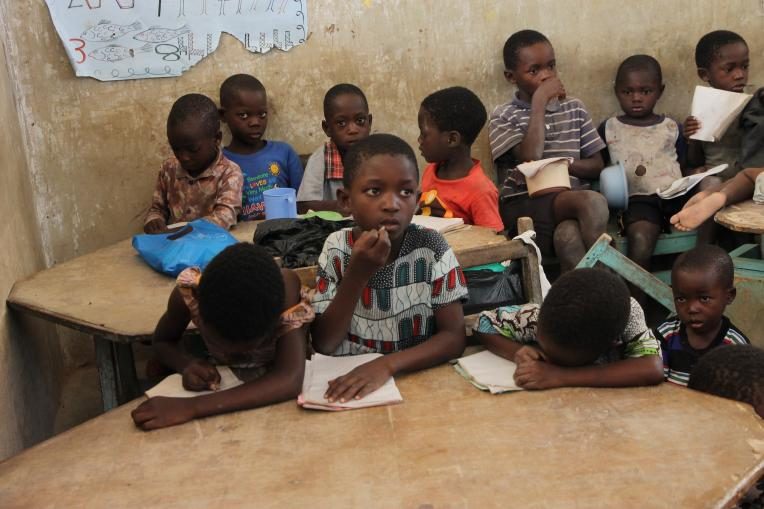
(692, 216)
(696, 198)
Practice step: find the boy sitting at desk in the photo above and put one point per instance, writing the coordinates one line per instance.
(538, 123)
(346, 121)
(454, 184)
(703, 286)
(386, 286)
(199, 181)
(588, 333)
(265, 164)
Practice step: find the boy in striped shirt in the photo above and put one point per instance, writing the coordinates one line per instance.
(702, 282)
(541, 122)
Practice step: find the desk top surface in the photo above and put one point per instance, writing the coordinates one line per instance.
(447, 445)
(113, 293)
(745, 217)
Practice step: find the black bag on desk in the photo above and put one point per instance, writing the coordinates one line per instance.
(490, 290)
(298, 242)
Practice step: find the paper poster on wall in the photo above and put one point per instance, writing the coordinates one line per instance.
(133, 39)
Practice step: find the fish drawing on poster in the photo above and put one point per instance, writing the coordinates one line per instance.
(132, 39)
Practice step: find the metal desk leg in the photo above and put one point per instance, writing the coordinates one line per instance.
(116, 369)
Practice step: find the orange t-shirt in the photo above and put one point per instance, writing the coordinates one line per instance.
(474, 198)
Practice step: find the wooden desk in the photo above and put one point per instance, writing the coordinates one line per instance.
(447, 445)
(114, 296)
(747, 217)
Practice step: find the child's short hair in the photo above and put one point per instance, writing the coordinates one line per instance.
(639, 63)
(376, 144)
(457, 109)
(705, 258)
(197, 107)
(585, 312)
(342, 89)
(237, 83)
(241, 293)
(731, 371)
(709, 45)
(518, 41)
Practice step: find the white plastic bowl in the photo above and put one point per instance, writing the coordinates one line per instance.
(614, 187)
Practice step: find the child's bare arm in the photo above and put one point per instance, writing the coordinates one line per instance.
(282, 382)
(370, 252)
(532, 146)
(633, 372)
(156, 217)
(498, 344)
(588, 167)
(446, 344)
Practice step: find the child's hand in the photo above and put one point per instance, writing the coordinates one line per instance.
(550, 89)
(538, 375)
(691, 126)
(529, 353)
(200, 376)
(161, 412)
(155, 226)
(370, 252)
(361, 381)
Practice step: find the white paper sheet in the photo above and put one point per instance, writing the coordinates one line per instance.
(488, 371)
(322, 368)
(681, 186)
(131, 39)
(439, 224)
(716, 109)
(172, 386)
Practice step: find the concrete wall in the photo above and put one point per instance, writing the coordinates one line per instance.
(94, 148)
(30, 366)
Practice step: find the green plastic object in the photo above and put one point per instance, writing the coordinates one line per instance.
(493, 267)
(326, 215)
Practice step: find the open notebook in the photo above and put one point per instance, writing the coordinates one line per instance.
(716, 109)
(322, 368)
(439, 224)
(488, 372)
(172, 386)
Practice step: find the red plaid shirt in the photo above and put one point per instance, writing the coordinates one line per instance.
(333, 162)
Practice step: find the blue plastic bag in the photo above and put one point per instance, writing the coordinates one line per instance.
(194, 245)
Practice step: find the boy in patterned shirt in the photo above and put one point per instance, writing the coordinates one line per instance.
(199, 182)
(588, 332)
(387, 285)
(702, 282)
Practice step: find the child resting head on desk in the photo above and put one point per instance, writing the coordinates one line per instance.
(386, 286)
(733, 372)
(588, 332)
(250, 315)
(199, 181)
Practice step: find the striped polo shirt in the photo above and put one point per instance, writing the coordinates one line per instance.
(679, 357)
(569, 129)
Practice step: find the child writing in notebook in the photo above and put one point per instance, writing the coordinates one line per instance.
(250, 315)
(454, 184)
(387, 285)
(588, 332)
(199, 182)
(265, 163)
(346, 121)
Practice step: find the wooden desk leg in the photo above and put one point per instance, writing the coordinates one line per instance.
(116, 369)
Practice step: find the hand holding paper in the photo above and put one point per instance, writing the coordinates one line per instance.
(715, 110)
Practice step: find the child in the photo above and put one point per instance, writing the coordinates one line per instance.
(250, 315)
(732, 372)
(649, 147)
(449, 122)
(199, 182)
(587, 332)
(386, 286)
(265, 164)
(702, 282)
(702, 207)
(722, 61)
(346, 121)
(538, 123)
